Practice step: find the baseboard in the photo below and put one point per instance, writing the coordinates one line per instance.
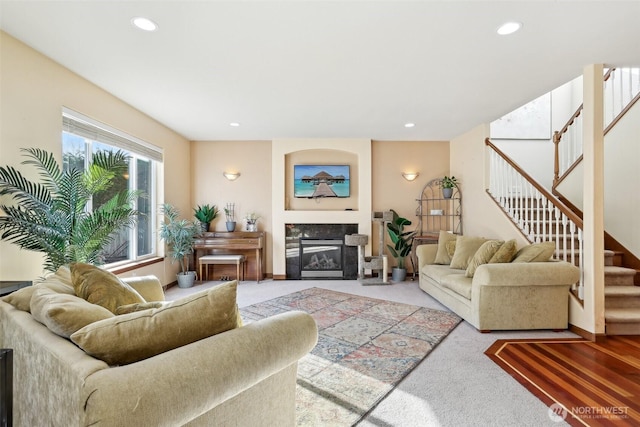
(279, 277)
(591, 336)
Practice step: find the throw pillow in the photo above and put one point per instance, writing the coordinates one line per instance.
(442, 257)
(466, 247)
(131, 308)
(506, 252)
(537, 252)
(142, 334)
(101, 287)
(64, 314)
(483, 255)
(21, 299)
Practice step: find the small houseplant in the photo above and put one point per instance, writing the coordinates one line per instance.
(251, 220)
(402, 244)
(179, 235)
(448, 184)
(230, 214)
(205, 214)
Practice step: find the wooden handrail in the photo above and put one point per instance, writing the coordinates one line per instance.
(622, 113)
(558, 204)
(570, 121)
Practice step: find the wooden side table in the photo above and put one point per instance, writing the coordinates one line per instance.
(8, 286)
(421, 240)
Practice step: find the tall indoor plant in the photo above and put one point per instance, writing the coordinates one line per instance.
(179, 234)
(402, 243)
(51, 215)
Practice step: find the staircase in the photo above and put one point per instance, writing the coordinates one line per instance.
(621, 297)
(540, 217)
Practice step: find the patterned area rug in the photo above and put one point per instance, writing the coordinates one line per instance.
(366, 346)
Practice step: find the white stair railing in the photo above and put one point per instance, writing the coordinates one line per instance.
(621, 88)
(536, 212)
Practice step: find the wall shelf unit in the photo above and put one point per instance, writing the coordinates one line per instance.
(435, 212)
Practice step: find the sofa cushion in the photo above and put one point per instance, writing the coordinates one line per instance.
(442, 256)
(537, 252)
(482, 256)
(436, 272)
(458, 283)
(102, 287)
(142, 334)
(64, 314)
(506, 252)
(60, 282)
(466, 247)
(139, 306)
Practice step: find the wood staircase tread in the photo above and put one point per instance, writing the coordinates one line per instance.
(622, 315)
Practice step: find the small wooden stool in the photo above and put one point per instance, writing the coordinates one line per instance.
(222, 259)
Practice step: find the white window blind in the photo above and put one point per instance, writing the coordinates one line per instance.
(86, 127)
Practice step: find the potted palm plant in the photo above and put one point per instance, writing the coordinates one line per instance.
(448, 184)
(179, 235)
(51, 216)
(402, 243)
(205, 214)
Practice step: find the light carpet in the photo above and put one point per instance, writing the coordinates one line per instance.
(366, 346)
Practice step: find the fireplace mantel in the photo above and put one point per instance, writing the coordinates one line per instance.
(328, 150)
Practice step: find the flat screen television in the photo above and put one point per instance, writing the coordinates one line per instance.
(312, 181)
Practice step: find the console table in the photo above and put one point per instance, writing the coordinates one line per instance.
(248, 243)
(8, 286)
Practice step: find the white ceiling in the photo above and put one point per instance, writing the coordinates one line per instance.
(325, 69)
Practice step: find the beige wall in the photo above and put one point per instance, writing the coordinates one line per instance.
(251, 192)
(480, 214)
(391, 191)
(33, 90)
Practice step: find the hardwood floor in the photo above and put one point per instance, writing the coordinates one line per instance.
(587, 383)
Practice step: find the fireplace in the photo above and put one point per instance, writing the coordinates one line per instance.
(317, 251)
(321, 258)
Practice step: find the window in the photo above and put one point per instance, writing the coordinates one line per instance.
(81, 138)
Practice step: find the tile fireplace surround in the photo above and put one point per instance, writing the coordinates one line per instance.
(293, 233)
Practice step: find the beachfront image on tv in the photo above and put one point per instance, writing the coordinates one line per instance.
(321, 181)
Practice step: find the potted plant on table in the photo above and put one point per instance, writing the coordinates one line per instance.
(230, 213)
(205, 214)
(179, 235)
(448, 184)
(251, 221)
(402, 244)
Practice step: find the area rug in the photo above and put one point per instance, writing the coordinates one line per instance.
(366, 346)
(584, 383)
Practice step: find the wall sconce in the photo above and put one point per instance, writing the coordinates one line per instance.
(231, 176)
(410, 176)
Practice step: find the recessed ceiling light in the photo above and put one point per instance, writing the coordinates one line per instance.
(409, 125)
(234, 124)
(145, 24)
(509, 28)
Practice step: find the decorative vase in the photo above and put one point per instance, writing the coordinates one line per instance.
(447, 193)
(231, 225)
(205, 226)
(398, 274)
(186, 280)
(252, 226)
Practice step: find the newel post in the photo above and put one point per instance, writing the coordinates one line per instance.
(556, 157)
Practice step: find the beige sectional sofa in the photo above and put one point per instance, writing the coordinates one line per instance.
(244, 376)
(501, 296)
